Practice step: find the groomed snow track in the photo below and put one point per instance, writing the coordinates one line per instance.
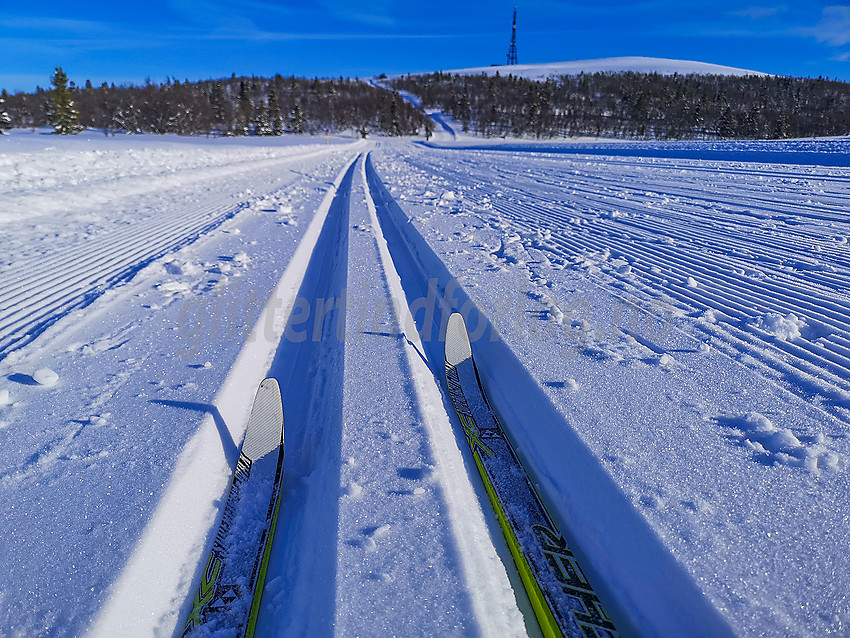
(39, 290)
(302, 597)
(591, 210)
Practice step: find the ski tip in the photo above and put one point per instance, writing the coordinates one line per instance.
(457, 340)
(270, 385)
(264, 432)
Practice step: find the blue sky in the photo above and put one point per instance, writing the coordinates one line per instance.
(127, 42)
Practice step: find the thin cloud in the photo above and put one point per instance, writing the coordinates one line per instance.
(834, 27)
(370, 19)
(372, 12)
(201, 12)
(758, 13)
(270, 36)
(54, 25)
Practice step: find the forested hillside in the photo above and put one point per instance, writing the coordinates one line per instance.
(234, 106)
(638, 105)
(630, 105)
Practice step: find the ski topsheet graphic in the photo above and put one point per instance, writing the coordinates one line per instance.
(561, 596)
(228, 599)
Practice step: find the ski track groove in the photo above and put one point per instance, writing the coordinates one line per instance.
(187, 511)
(464, 505)
(698, 217)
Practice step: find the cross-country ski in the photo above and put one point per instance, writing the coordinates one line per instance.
(563, 599)
(230, 591)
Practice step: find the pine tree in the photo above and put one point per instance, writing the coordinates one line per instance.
(782, 127)
(395, 121)
(5, 120)
(274, 113)
(726, 124)
(64, 116)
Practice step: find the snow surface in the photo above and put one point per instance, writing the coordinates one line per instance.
(607, 65)
(672, 362)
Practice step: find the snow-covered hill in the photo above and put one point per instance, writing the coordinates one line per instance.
(612, 65)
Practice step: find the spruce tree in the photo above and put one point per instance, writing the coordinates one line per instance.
(244, 110)
(395, 121)
(64, 116)
(262, 121)
(218, 102)
(274, 113)
(5, 120)
(465, 112)
(296, 120)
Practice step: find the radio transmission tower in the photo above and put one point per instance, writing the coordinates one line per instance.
(512, 49)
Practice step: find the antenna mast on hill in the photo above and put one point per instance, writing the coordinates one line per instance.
(512, 50)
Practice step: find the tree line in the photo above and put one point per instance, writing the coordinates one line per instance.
(630, 105)
(638, 105)
(232, 106)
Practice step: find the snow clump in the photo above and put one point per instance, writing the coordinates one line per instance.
(173, 287)
(780, 445)
(182, 267)
(786, 328)
(45, 377)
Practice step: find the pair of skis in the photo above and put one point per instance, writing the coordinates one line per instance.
(229, 594)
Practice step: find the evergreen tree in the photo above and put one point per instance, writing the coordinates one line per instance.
(244, 110)
(261, 120)
(5, 120)
(218, 102)
(465, 112)
(395, 121)
(781, 128)
(274, 113)
(726, 124)
(296, 120)
(64, 116)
